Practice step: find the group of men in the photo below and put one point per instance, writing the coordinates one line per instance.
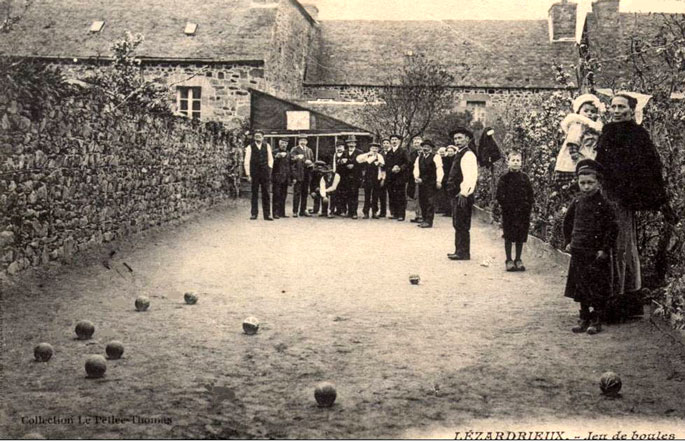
(389, 174)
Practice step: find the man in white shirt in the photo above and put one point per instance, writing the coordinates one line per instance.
(428, 175)
(258, 163)
(461, 185)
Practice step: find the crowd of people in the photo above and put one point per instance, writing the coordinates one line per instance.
(389, 174)
(609, 171)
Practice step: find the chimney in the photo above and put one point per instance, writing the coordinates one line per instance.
(312, 10)
(562, 21)
(606, 11)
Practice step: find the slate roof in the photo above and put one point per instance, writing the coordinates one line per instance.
(500, 53)
(226, 29)
(612, 44)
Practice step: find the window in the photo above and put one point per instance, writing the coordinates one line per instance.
(477, 109)
(189, 101)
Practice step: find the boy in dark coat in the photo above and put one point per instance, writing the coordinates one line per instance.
(280, 177)
(515, 197)
(383, 198)
(338, 201)
(590, 230)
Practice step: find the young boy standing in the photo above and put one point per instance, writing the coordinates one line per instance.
(515, 197)
(590, 230)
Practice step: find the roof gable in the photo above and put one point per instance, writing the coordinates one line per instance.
(499, 53)
(228, 30)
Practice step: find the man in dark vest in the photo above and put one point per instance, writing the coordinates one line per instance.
(301, 164)
(396, 166)
(258, 164)
(352, 176)
(461, 185)
(338, 201)
(414, 151)
(373, 164)
(281, 178)
(383, 197)
(428, 175)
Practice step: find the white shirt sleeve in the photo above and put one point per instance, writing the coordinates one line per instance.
(417, 173)
(248, 155)
(438, 168)
(469, 169)
(322, 187)
(270, 156)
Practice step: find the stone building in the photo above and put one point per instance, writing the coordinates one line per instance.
(211, 52)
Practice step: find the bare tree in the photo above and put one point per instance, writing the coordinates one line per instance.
(412, 98)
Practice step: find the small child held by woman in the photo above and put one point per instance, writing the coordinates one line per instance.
(581, 128)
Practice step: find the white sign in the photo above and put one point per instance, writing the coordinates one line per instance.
(297, 120)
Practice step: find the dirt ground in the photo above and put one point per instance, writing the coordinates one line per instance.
(470, 348)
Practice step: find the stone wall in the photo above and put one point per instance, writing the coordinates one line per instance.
(345, 102)
(76, 172)
(225, 95)
(293, 34)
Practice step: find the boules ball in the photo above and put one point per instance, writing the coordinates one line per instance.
(190, 298)
(43, 352)
(96, 366)
(610, 383)
(114, 349)
(85, 329)
(325, 394)
(414, 279)
(251, 325)
(142, 303)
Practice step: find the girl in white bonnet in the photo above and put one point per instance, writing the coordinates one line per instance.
(582, 129)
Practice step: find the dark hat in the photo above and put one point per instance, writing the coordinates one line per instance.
(385, 139)
(588, 166)
(258, 131)
(375, 144)
(319, 163)
(399, 137)
(351, 139)
(427, 143)
(340, 143)
(302, 137)
(461, 130)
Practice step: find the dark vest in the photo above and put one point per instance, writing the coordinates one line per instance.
(370, 172)
(259, 159)
(458, 176)
(427, 171)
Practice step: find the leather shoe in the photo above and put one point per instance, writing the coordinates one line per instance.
(253, 217)
(425, 225)
(416, 220)
(400, 219)
(455, 257)
(268, 218)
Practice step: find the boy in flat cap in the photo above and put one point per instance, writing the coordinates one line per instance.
(301, 164)
(280, 178)
(590, 231)
(461, 185)
(372, 164)
(397, 164)
(428, 175)
(258, 163)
